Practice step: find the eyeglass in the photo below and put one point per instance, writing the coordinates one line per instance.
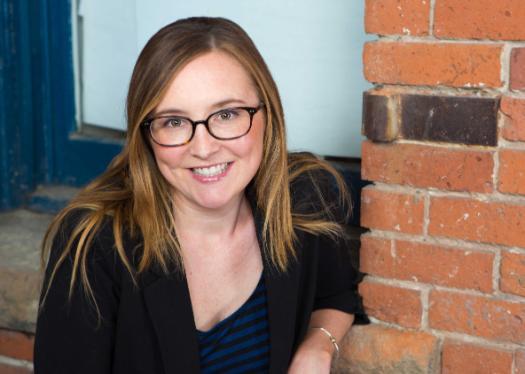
(225, 124)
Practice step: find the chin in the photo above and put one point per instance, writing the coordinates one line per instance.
(213, 201)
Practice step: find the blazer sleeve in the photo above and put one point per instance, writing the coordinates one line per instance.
(70, 337)
(337, 277)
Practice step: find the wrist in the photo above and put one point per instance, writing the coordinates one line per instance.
(330, 343)
(315, 349)
(317, 344)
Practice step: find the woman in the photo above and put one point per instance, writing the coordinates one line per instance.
(201, 248)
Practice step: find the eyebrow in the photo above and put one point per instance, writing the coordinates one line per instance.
(215, 106)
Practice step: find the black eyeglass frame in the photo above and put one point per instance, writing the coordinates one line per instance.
(251, 111)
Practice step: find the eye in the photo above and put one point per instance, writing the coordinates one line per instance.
(227, 114)
(172, 122)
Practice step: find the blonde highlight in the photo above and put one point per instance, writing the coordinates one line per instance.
(135, 196)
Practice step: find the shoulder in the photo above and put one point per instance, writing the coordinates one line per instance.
(80, 232)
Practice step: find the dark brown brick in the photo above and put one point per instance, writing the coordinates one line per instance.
(379, 123)
(449, 119)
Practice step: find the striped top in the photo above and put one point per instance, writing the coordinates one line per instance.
(241, 342)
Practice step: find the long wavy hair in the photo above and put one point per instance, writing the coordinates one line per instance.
(136, 196)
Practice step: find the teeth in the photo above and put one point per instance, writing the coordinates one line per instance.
(211, 171)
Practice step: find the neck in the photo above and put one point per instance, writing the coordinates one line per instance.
(209, 223)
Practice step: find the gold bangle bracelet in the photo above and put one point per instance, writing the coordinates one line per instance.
(331, 337)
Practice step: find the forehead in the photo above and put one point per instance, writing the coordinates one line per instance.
(208, 79)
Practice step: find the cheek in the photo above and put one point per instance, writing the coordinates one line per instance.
(256, 139)
(252, 150)
(167, 157)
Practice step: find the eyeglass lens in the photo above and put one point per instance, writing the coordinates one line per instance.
(226, 124)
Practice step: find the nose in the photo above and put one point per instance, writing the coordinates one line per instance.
(203, 145)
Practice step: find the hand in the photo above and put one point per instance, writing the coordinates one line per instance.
(310, 361)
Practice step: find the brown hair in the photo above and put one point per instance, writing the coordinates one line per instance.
(133, 192)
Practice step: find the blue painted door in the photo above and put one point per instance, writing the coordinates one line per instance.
(39, 143)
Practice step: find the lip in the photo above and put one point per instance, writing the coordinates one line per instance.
(213, 179)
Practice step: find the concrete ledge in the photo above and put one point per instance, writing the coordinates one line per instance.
(51, 198)
(21, 233)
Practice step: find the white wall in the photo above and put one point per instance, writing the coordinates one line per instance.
(312, 47)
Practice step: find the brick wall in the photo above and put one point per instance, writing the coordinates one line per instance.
(16, 352)
(445, 254)
(446, 151)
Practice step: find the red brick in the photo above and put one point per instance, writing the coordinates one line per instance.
(427, 166)
(447, 64)
(512, 172)
(480, 19)
(377, 349)
(476, 315)
(407, 17)
(519, 362)
(16, 345)
(517, 69)
(490, 222)
(460, 357)
(427, 263)
(392, 304)
(512, 278)
(513, 111)
(391, 211)
(10, 369)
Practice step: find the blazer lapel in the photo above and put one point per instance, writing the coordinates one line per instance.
(281, 295)
(169, 305)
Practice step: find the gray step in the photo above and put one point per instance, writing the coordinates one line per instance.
(21, 233)
(51, 198)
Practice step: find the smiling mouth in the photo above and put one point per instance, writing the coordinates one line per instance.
(212, 170)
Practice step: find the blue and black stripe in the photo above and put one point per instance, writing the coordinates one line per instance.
(241, 342)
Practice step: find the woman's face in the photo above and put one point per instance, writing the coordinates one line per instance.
(208, 173)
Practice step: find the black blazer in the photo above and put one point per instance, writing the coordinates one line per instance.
(150, 329)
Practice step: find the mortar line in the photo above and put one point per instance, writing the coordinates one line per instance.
(452, 243)
(455, 146)
(514, 94)
(495, 170)
(431, 16)
(16, 362)
(494, 197)
(409, 285)
(426, 214)
(417, 286)
(455, 336)
(430, 39)
(517, 146)
(505, 66)
(475, 340)
(425, 295)
(475, 91)
(496, 271)
(439, 364)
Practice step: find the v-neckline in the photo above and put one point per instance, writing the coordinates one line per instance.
(232, 315)
(168, 302)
